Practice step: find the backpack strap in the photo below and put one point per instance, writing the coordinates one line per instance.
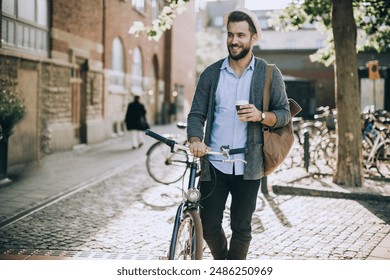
(267, 86)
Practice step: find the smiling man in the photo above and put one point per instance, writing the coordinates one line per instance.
(214, 121)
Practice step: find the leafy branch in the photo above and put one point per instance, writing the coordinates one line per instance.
(163, 22)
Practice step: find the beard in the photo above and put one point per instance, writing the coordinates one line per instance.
(240, 55)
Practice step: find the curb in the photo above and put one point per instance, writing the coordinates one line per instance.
(288, 190)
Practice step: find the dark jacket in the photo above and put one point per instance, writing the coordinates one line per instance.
(202, 113)
(135, 116)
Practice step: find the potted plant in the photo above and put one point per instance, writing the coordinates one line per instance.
(12, 110)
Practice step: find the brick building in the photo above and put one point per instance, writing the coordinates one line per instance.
(77, 67)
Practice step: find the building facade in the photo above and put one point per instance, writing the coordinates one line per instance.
(77, 67)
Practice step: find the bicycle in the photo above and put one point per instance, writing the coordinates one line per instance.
(187, 235)
(376, 143)
(165, 167)
(324, 124)
(321, 146)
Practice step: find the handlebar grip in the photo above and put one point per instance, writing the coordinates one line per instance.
(237, 151)
(160, 138)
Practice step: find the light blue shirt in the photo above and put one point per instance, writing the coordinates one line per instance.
(227, 129)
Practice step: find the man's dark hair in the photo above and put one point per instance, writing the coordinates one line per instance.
(237, 16)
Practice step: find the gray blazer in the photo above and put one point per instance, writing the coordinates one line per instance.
(202, 113)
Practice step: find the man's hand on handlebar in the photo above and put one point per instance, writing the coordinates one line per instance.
(197, 147)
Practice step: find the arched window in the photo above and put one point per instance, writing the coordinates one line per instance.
(25, 25)
(117, 74)
(137, 63)
(117, 53)
(136, 71)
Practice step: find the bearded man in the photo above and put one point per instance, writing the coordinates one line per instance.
(213, 121)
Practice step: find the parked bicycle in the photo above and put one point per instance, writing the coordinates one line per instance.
(375, 145)
(187, 235)
(376, 141)
(324, 124)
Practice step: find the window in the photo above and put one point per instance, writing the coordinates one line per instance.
(117, 73)
(139, 5)
(137, 63)
(117, 59)
(136, 72)
(25, 25)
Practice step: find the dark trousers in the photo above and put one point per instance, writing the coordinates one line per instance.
(243, 204)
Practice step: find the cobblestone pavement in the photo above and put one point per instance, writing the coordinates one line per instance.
(129, 216)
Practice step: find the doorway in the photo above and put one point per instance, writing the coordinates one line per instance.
(78, 88)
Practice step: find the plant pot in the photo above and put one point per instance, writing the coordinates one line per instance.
(4, 160)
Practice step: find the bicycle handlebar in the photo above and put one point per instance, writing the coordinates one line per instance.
(225, 151)
(171, 143)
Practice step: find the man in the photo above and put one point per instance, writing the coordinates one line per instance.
(240, 76)
(136, 123)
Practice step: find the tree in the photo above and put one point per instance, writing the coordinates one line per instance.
(349, 151)
(343, 18)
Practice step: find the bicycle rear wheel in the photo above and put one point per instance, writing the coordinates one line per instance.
(187, 238)
(166, 167)
(382, 160)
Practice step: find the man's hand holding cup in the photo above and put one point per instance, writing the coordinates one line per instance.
(247, 112)
(239, 103)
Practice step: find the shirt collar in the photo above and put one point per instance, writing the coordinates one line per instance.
(225, 64)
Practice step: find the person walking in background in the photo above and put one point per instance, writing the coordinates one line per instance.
(240, 76)
(136, 122)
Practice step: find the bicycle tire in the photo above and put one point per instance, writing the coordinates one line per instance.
(187, 241)
(166, 167)
(382, 160)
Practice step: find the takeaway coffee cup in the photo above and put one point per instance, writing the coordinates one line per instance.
(239, 103)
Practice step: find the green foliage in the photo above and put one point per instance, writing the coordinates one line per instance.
(372, 19)
(12, 110)
(318, 11)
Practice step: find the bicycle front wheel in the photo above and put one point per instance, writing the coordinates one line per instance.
(382, 160)
(166, 167)
(187, 239)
